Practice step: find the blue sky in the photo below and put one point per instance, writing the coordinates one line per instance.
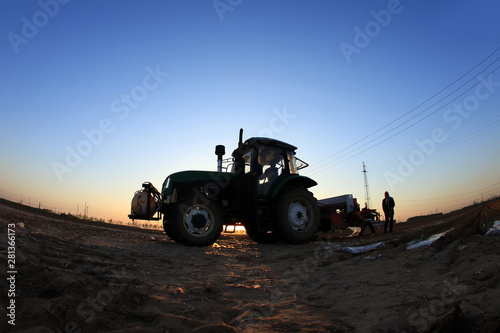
(97, 97)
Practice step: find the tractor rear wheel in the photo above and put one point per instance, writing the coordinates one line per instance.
(196, 221)
(261, 237)
(297, 216)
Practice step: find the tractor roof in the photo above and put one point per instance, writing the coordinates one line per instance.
(268, 142)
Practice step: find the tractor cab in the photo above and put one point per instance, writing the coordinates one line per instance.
(266, 162)
(274, 198)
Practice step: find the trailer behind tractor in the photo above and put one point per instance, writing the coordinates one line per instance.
(343, 211)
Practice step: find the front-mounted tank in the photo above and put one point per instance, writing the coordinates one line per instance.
(146, 203)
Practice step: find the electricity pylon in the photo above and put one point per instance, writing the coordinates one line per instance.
(367, 189)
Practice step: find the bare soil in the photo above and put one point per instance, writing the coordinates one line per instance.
(95, 277)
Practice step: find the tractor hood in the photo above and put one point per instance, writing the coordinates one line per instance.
(197, 181)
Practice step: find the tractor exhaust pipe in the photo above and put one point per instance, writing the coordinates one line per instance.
(220, 150)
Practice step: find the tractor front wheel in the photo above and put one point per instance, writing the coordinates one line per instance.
(168, 226)
(196, 222)
(298, 216)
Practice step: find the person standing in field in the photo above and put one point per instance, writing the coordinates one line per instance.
(388, 207)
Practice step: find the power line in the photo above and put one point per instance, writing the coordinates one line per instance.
(326, 165)
(31, 202)
(427, 100)
(490, 188)
(462, 136)
(469, 135)
(318, 166)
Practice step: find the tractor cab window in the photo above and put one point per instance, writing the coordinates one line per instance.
(293, 163)
(296, 164)
(248, 161)
(272, 164)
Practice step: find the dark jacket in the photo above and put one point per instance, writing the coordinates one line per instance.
(388, 205)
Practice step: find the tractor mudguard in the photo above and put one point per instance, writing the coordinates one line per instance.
(291, 181)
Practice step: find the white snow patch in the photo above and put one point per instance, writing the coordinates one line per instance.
(358, 249)
(494, 230)
(425, 242)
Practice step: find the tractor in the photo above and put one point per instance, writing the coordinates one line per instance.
(259, 187)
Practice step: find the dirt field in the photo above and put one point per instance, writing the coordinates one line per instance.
(92, 277)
